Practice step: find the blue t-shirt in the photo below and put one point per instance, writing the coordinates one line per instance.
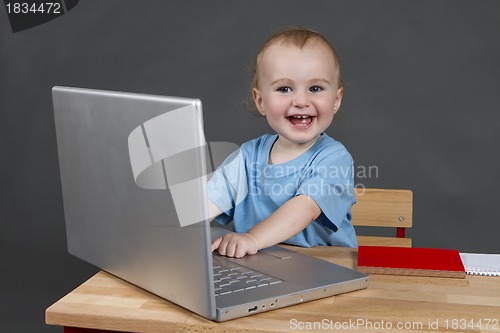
(247, 189)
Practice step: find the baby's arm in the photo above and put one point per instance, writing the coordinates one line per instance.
(287, 221)
(213, 210)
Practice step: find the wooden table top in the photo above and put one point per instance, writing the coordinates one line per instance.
(396, 303)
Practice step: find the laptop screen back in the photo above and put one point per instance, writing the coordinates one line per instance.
(127, 209)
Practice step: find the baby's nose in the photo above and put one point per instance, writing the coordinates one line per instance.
(300, 100)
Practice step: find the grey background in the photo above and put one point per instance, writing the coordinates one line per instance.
(421, 105)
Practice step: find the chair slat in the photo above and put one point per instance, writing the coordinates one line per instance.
(383, 208)
(383, 241)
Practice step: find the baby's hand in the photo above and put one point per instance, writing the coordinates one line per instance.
(235, 245)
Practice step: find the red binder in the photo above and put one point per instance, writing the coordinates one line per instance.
(410, 261)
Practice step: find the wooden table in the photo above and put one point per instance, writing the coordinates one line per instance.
(391, 303)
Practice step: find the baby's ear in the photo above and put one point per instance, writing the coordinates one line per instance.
(257, 98)
(338, 99)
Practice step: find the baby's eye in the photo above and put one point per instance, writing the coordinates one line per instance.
(315, 89)
(284, 89)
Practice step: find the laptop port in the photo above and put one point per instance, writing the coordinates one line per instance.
(253, 309)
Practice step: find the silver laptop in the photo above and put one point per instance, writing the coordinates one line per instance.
(133, 170)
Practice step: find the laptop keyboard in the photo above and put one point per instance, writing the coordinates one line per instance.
(230, 277)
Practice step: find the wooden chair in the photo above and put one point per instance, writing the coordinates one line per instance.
(383, 208)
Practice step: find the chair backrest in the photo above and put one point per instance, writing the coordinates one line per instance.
(383, 208)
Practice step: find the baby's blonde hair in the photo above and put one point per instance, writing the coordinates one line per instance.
(298, 37)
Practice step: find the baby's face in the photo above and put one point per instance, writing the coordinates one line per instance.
(298, 91)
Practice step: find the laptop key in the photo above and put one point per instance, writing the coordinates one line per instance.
(230, 277)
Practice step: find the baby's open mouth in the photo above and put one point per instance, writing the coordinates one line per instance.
(301, 120)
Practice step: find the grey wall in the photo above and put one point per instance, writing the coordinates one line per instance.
(421, 106)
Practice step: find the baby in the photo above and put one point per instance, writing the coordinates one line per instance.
(296, 186)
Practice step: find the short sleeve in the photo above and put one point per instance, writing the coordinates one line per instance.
(330, 183)
(228, 185)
